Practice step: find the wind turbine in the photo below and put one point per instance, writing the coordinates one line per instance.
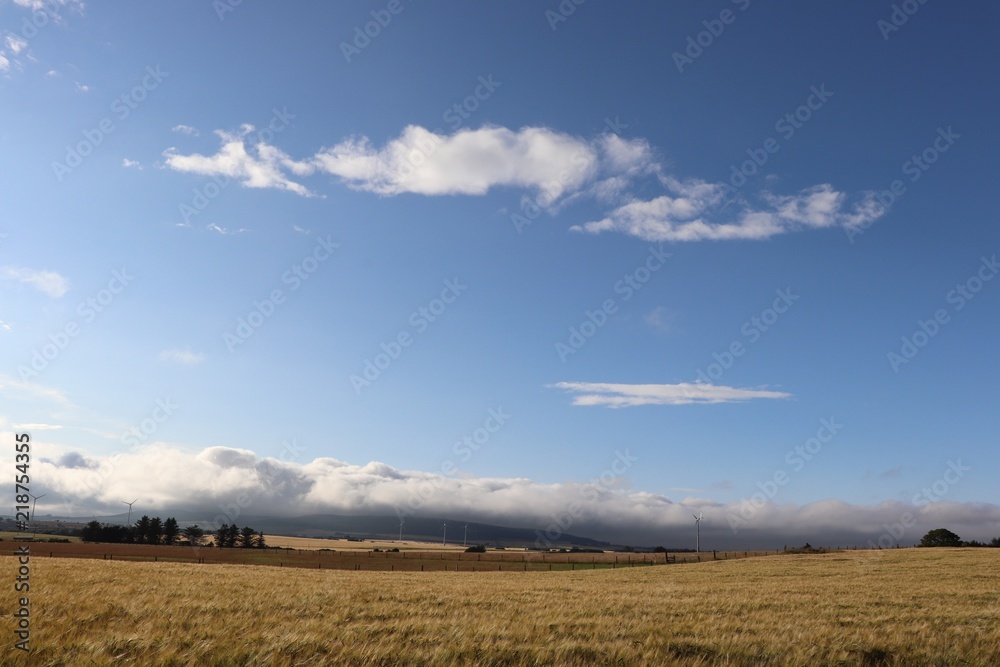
(697, 527)
(33, 501)
(444, 537)
(129, 523)
(465, 540)
(400, 530)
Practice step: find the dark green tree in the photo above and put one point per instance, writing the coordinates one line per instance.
(941, 537)
(155, 532)
(91, 532)
(260, 543)
(170, 530)
(247, 537)
(142, 529)
(233, 536)
(222, 535)
(194, 535)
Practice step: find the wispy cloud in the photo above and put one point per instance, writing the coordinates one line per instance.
(630, 395)
(50, 5)
(555, 167)
(46, 282)
(131, 164)
(179, 356)
(696, 212)
(5, 326)
(662, 319)
(15, 43)
(82, 87)
(37, 427)
(185, 129)
(225, 231)
(262, 166)
(16, 389)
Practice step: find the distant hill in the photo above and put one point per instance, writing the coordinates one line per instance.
(414, 528)
(368, 527)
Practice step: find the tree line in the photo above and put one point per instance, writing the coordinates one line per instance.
(153, 530)
(942, 537)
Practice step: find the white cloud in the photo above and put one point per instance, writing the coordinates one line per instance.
(260, 167)
(4, 63)
(225, 231)
(165, 479)
(185, 129)
(469, 162)
(131, 164)
(52, 72)
(82, 88)
(686, 217)
(629, 395)
(554, 167)
(37, 427)
(662, 319)
(300, 230)
(16, 389)
(185, 356)
(47, 282)
(5, 326)
(15, 43)
(49, 6)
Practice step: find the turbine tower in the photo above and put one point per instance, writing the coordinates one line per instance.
(697, 528)
(444, 536)
(129, 523)
(34, 499)
(400, 530)
(465, 540)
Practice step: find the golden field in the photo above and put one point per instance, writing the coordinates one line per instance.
(898, 607)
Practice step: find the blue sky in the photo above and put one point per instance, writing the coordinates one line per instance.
(508, 169)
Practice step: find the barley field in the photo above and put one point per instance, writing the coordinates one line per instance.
(898, 607)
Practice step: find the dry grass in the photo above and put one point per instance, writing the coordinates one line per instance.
(901, 607)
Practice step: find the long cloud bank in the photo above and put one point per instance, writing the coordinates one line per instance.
(552, 167)
(205, 483)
